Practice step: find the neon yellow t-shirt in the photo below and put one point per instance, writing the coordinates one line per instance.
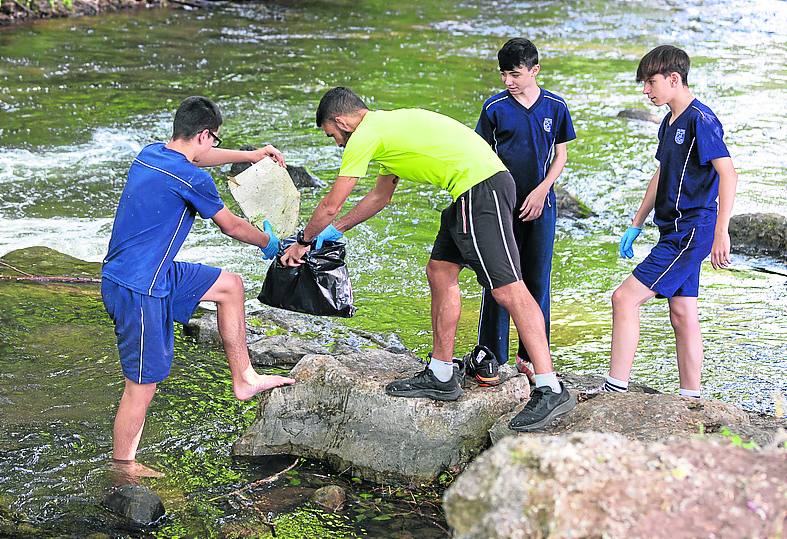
(422, 146)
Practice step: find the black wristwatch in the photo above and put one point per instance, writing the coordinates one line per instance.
(301, 241)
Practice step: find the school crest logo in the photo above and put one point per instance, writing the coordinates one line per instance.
(680, 136)
(548, 125)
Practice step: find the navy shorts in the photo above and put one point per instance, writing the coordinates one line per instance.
(144, 324)
(477, 230)
(673, 266)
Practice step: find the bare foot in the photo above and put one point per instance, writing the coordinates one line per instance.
(245, 391)
(129, 472)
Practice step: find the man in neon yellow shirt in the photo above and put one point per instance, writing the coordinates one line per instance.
(475, 230)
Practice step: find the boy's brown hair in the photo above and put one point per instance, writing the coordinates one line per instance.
(663, 60)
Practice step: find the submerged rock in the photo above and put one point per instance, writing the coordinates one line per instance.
(139, 505)
(281, 338)
(759, 233)
(338, 412)
(570, 206)
(331, 497)
(605, 485)
(639, 114)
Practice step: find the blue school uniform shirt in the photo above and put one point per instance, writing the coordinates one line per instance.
(688, 186)
(163, 194)
(525, 138)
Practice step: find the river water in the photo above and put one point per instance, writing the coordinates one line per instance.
(78, 99)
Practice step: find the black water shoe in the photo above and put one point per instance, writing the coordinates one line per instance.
(543, 407)
(481, 365)
(425, 384)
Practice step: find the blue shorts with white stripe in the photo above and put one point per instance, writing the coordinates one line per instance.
(673, 266)
(144, 324)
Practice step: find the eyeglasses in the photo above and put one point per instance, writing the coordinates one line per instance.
(216, 139)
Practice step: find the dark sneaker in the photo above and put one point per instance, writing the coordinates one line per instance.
(481, 365)
(526, 367)
(424, 384)
(543, 407)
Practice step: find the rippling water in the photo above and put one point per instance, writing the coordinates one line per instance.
(78, 99)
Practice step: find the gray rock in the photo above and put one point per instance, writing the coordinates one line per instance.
(302, 178)
(139, 505)
(650, 417)
(279, 337)
(759, 234)
(282, 350)
(331, 497)
(639, 114)
(338, 412)
(569, 206)
(605, 485)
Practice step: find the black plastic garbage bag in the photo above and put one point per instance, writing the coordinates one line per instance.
(320, 286)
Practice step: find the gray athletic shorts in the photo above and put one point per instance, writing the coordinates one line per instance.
(477, 231)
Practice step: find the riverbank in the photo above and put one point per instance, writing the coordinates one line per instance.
(18, 11)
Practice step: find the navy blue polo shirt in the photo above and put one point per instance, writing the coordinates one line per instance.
(158, 205)
(525, 138)
(688, 184)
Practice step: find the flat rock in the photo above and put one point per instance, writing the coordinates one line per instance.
(639, 114)
(651, 417)
(338, 412)
(605, 485)
(281, 338)
(759, 234)
(139, 505)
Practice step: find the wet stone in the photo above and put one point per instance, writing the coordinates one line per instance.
(139, 505)
(759, 234)
(331, 497)
(639, 114)
(338, 413)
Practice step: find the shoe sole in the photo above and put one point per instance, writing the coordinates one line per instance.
(428, 393)
(559, 411)
(488, 382)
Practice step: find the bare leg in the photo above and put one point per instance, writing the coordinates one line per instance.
(446, 306)
(626, 301)
(688, 340)
(529, 322)
(227, 293)
(129, 421)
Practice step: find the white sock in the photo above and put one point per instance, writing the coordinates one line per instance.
(442, 370)
(548, 379)
(693, 393)
(613, 385)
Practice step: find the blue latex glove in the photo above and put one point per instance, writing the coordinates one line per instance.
(270, 251)
(627, 242)
(330, 233)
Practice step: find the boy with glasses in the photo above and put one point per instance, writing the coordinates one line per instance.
(145, 290)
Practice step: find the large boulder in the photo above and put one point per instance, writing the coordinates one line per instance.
(759, 234)
(639, 114)
(281, 338)
(605, 485)
(651, 417)
(139, 505)
(338, 412)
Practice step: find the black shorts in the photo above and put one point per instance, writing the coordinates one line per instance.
(477, 231)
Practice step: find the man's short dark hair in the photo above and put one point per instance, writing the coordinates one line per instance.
(517, 52)
(195, 114)
(663, 60)
(337, 102)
